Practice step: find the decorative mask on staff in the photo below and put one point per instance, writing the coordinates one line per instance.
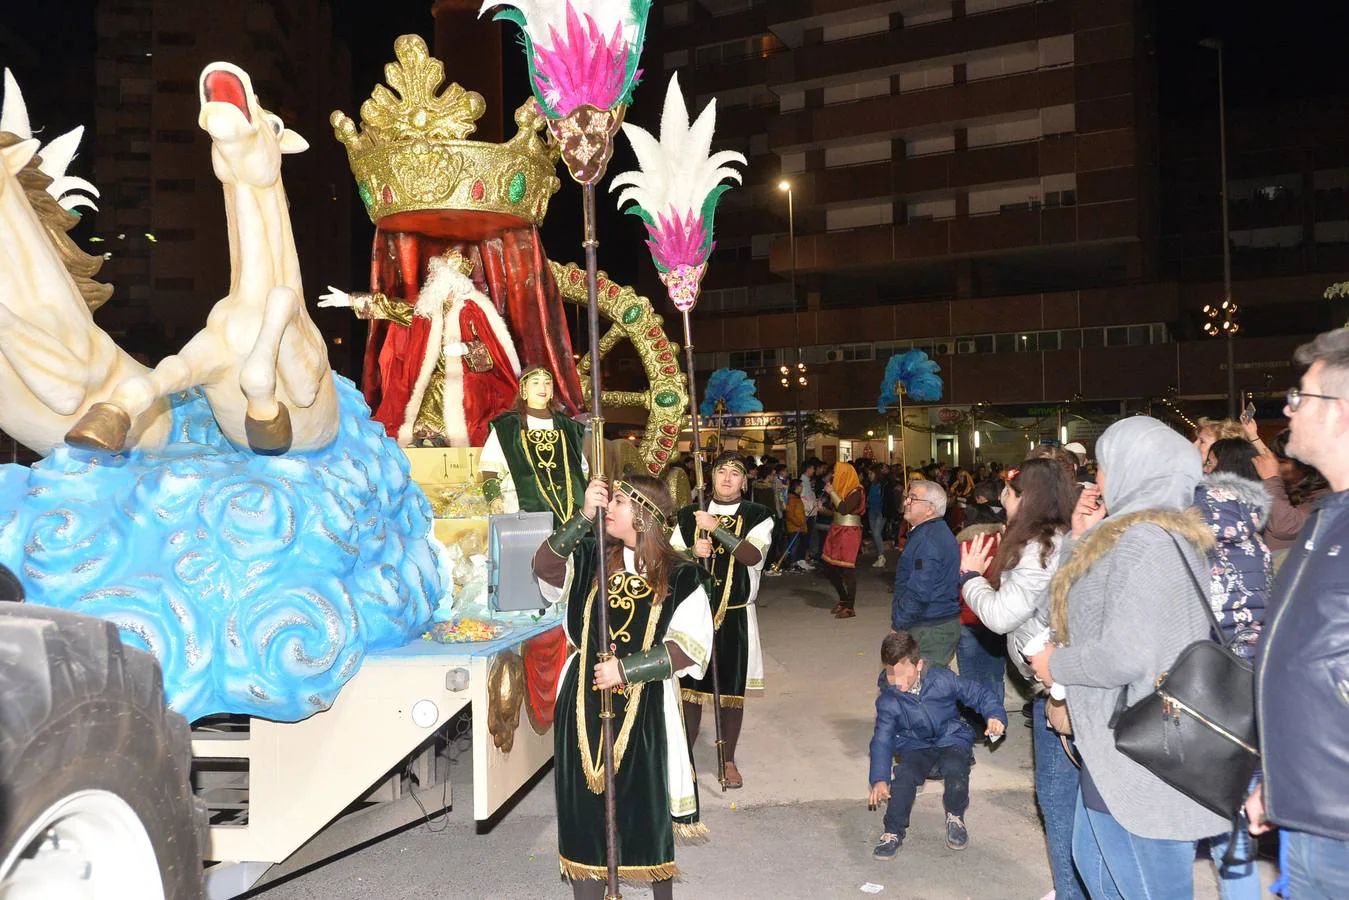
(583, 66)
(675, 192)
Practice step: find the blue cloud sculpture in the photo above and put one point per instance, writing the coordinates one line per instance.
(734, 389)
(259, 582)
(917, 373)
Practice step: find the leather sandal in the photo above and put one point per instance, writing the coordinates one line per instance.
(837, 608)
(734, 779)
(846, 613)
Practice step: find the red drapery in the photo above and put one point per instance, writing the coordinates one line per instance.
(513, 272)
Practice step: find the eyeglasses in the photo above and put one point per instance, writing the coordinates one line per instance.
(908, 499)
(1295, 396)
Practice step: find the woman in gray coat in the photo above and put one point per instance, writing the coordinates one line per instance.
(1124, 604)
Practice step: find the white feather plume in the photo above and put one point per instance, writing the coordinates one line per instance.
(57, 154)
(676, 173)
(14, 112)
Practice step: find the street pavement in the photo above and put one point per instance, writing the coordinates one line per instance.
(800, 828)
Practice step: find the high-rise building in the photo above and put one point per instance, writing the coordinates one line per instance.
(986, 180)
(162, 218)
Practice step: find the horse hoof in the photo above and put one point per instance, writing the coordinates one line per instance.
(103, 427)
(270, 438)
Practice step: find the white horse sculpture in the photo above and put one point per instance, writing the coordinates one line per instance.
(260, 359)
(54, 361)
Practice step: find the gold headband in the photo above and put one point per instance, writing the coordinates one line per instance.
(643, 501)
(734, 464)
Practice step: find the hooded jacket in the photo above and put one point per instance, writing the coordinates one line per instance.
(906, 721)
(1302, 679)
(1125, 603)
(1235, 509)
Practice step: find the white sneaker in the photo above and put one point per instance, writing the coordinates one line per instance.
(879, 563)
(805, 565)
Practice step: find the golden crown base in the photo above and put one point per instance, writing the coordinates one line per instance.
(411, 153)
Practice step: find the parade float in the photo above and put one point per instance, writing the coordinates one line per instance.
(332, 595)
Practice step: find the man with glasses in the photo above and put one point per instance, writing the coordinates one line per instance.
(1302, 680)
(927, 579)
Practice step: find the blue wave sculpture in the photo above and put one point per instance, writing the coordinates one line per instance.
(734, 389)
(259, 582)
(917, 372)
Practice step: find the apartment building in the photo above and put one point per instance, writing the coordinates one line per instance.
(991, 181)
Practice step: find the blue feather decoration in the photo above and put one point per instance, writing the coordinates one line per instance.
(917, 373)
(731, 390)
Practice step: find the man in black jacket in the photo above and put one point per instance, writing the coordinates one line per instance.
(1302, 681)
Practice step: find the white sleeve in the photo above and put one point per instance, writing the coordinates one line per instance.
(677, 536)
(493, 459)
(554, 594)
(691, 630)
(761, 536)
(1014, 601)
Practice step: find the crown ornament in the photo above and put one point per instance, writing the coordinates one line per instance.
(412, 151)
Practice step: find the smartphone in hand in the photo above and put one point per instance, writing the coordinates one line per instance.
(1248, 414)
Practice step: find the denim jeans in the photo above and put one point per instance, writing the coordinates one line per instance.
(1118, 865)
(982, 657)
(1056, 780)
(876, 519)
(1317, 867)
(814, 538)
(952, 763)
(1241, 881)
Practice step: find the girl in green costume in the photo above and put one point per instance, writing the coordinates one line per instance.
(660, 627)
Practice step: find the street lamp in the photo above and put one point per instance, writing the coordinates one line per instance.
(786, 187)
(1229, 327)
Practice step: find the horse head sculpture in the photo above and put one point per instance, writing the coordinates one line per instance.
(260, 359)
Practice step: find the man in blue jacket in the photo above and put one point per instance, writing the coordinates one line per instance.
(1302, 679)
(916, 718)
(927, 579)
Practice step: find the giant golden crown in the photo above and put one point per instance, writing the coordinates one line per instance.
(412, 153)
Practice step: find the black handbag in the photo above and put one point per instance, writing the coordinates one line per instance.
(1196, 730)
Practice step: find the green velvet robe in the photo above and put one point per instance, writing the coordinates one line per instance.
(646, 823)
(729, 598)
(545, 465)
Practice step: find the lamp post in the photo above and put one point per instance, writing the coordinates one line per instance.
(1229, 327)
(800, 382)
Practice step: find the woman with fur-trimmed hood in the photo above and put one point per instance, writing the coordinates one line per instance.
(1124, 604)
(1235, 506)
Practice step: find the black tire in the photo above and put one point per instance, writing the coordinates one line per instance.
(80, 711)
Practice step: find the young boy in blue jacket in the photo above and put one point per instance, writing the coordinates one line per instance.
(917, 719)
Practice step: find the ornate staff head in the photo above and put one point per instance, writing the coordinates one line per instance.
(914, 375)
(582, 58)
(675, 192)
(730, 391)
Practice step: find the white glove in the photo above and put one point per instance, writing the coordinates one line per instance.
(454, 348)
(335, 297)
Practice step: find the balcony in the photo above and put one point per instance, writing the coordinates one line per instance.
(893, 115)
(886, 53)
(892, 245)
(793, 15)
(937, 173)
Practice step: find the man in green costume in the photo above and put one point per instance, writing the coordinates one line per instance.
(734, 534)
(533, 460)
